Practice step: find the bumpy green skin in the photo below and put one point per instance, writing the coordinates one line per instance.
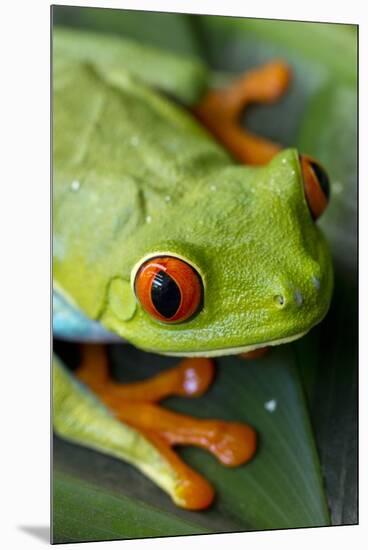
(135, 176)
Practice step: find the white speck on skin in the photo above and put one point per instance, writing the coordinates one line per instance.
(316, 282)
(167, 198)
(271, 405)
(134, 141)
(337, 187)
(75, 185)
(148, 219)
(213, 187)
(298, 297)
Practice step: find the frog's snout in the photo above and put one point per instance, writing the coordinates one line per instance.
(291, 296)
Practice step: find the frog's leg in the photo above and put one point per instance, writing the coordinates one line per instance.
(79, 417)
(136, 405)
(220, 111)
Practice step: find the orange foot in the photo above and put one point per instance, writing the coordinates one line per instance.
(232, 443)
(220, 111)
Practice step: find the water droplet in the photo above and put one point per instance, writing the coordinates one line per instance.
(271, 405)
(75, 185)
(284, 161)
(134, 141)
(167, 198)
(337, 187)
(148, 219)
(298, 297)
(213, 188)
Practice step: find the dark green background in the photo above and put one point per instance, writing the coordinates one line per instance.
(305, 471)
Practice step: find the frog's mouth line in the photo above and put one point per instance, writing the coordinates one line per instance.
(234, 351)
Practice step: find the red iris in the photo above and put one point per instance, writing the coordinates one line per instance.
(316, 185)
(169, 289)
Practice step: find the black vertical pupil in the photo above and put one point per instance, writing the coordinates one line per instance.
(165, 294)
(322, 178)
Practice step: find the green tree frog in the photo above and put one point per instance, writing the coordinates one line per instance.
(164, 239)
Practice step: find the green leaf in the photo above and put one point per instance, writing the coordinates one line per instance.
(107, 516)
(333, 392)
(232, 39)
(280, 488)
(164, 30)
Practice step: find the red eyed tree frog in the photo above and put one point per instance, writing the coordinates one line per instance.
(177, 231)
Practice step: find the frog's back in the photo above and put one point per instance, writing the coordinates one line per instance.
(110, 126)
(120, 150)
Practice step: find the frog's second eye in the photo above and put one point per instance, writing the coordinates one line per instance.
(316, 185)
(169, 289)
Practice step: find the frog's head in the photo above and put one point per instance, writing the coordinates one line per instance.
(234, 262)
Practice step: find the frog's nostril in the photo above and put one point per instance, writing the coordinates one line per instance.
(293, 297)
(279, 300)
(296, 296)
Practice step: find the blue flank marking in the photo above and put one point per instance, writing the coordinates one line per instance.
(71, 324)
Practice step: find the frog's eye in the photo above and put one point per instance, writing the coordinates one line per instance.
(169, 289)
(316, 185)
